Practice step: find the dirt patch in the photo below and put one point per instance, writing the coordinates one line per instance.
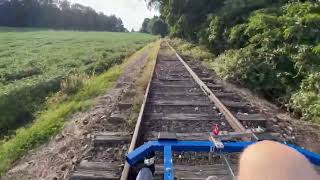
(56, 159)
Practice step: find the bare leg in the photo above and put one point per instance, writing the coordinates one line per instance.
(269, 160)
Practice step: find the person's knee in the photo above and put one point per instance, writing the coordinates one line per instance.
(145, 174)
(272, 160)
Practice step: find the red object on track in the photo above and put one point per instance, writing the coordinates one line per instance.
(216, 130)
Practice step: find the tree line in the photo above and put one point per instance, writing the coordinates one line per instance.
(270, 46)
(57, 14)
(155, 26)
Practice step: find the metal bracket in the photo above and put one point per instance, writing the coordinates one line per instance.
(225, 135)
(217, 143)
(167, 146)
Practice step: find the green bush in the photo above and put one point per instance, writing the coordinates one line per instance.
(274, 51)
(272, 47)
(298, 9)
(18, 105)
(306, 102)
(256, 69)
(237, 37)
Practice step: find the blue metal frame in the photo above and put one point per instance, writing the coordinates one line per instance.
(168, 162)
(167, 146)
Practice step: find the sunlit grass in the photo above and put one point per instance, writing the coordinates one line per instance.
(51, 121)
(34, 62)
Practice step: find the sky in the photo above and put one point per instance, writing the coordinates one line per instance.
(132, 12)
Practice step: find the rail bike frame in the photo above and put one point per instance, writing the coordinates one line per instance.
(169, 145)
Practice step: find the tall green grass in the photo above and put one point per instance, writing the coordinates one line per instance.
(51, 121)
(34, 62)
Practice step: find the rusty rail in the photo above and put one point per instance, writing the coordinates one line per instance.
(126, 168)
(232, 120)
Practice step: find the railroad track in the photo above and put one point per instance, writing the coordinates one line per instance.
(184, 99)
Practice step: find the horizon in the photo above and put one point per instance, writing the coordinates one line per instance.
(122, 9)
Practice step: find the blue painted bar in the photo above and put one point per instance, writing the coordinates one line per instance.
(168, 163)
(230, 147)
(203, 146)
(139, 153)
(311, 156)
(194, 146)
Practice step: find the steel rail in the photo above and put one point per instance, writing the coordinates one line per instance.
(126, 168)
(232, 120)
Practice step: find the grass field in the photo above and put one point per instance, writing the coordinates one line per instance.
(35, 63)
(50, 121)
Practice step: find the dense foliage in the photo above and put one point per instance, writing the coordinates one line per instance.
(35, 63)
(55, 14)
(155, 26)
(271, 46)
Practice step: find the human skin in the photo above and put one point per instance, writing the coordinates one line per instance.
(268, 160)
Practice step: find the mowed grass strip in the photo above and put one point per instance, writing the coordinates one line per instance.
(34, 62)
(51, 121)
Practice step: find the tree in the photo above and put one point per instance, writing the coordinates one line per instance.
(270, 46)
(145, 24)
(154, 26)
(158, 27)
(58, 14)
(185, 17)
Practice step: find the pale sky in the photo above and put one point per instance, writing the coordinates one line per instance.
(132, 12)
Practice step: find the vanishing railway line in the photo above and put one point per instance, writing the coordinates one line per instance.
(184, 99)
